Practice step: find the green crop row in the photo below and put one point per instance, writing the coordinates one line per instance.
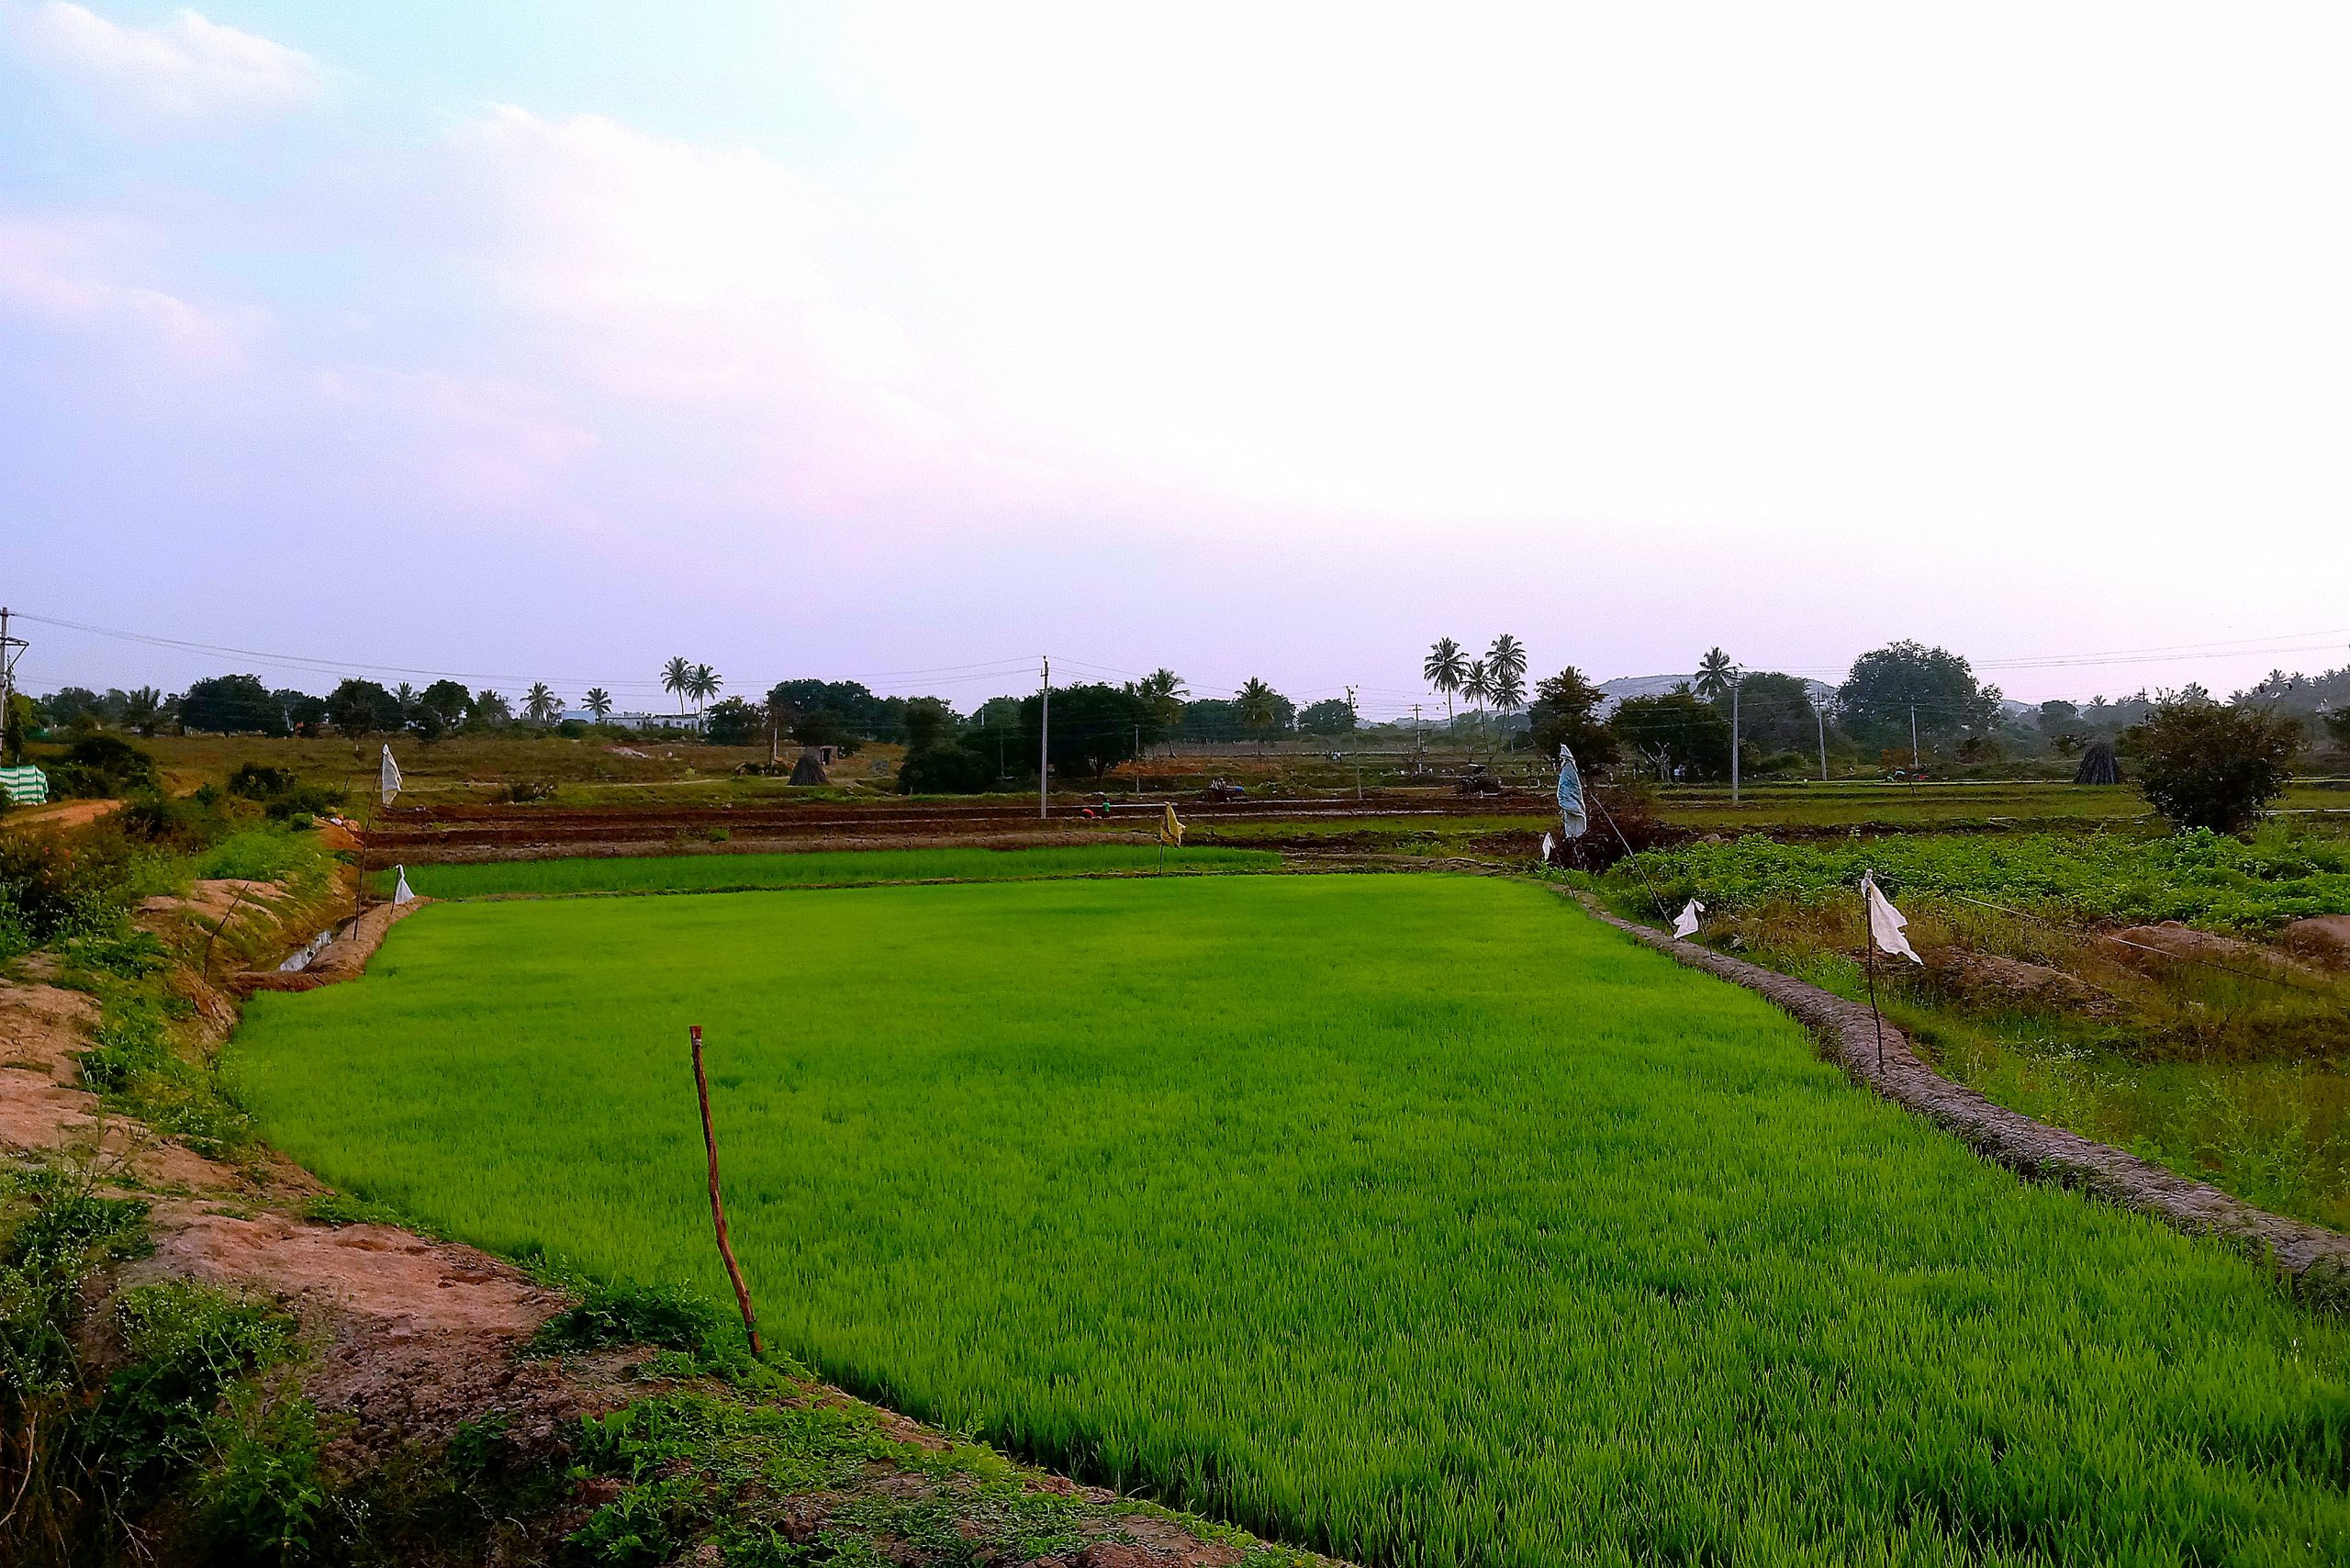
(2203, 877)
(1421, 1219)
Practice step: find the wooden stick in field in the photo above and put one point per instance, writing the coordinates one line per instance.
(717, 1207)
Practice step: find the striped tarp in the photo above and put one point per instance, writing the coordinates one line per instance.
(25, 785)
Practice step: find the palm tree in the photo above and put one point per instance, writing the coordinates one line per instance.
(1478, 685)
(1506, 659)
(702, 685)
(1164, 691)
(1445, 668)
(598, 702)
(674, 677)
(1715, 673)
(1257, 704)
(1509, 689)
(540, 705)
(142, 709)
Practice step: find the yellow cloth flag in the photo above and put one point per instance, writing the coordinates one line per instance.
(1170, 831)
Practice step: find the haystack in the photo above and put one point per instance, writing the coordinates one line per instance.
(809, 768)
(2098, 766)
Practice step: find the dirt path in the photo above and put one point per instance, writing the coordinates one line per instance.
(59, 815)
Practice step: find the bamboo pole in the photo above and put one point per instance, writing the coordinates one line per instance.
(717, 1207)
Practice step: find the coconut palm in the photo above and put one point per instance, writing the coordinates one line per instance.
(540, 705)
(1506, 660)
(1163, 691)
(702, 685)
(142, 709)
(598, 702)
(1478, 684)
(1509, 689)
(674, 677)
(1257, 705)
(1445, 668)
(1715, 673)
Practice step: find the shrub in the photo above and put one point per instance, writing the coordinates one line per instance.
(944, 770)
(666, 1317)
(2204, 766)
(257, 781)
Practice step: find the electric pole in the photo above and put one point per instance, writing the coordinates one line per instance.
(1913, 738)
(1821, 715)
(1045, 743)
(10, 647)
(1734, 675)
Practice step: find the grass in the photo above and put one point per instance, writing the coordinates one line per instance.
(719, 872)
(1417, 1218)
(2000, 803)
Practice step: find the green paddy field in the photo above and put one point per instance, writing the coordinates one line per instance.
(1420, 1219)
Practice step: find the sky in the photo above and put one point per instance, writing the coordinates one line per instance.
(906, 343)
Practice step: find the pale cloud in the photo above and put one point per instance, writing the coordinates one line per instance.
(188, 74)
(60, 275)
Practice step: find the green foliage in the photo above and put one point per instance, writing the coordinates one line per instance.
(664, 1316)
(732, 722)
(231, 705)
(2203, 878)
(1889, 684)
(362, 708)
(1675, 732)
(2204, 766)
(56, 1230)
(263, 1497)
(1775, 713)
(277, 854)
(1331, 716)
(967, 768)
(186, 1345)
(1566, 713)
(101, 766)
(717, 873)
(132, 1065)
(1381, 1261)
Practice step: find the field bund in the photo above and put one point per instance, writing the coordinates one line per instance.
(1420, 1218)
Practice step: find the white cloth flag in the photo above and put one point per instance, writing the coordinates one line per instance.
(403, 894)
(1549, 847)
(1685, 922)
(391, 778)
(1887, 923)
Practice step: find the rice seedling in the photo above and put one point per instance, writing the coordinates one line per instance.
(1417, 1219)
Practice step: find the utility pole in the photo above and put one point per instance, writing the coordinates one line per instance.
(1045, 743)
(1913, 738)
(10, 648)
(1821, 715)
(1734, 675)
(1137, 760)
(1418, 742)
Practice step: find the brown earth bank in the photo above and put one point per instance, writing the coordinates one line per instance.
(423, 835)
(453, 1434)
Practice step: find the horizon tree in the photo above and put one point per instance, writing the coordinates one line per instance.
(540, 704)
(1506, 660)
(676, 675)
(1445, 668)
(1478, 684)
(1715, 674)
(598, 702)
(702, 684)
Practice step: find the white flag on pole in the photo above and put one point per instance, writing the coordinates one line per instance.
(391, 778)
(1887, 923)
(1549, 846)
(403, 894)
(1685, 924)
